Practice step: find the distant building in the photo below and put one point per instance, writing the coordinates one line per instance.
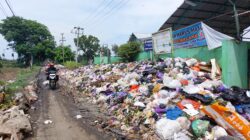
(142, 38)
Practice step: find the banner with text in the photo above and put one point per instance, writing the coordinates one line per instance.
(148, 45)
(188, 37)
(162, 41)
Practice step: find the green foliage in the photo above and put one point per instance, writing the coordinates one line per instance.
(1, 65)
(89, 45)
(8, 63)
(129, 51)
(2, 83)
(68, 54)
(71, 65)
(8, 102)
(115, 49)
(28, 37)
(22, 79)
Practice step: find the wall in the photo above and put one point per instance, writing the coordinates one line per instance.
(113, 59)
(235, 63)
(145, 55)
(201, 53)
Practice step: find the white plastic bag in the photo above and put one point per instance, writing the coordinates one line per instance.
(166, 128)
(218, 132)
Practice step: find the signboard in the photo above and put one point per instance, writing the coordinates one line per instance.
(148, 45)
(162, 41)
(188, 37)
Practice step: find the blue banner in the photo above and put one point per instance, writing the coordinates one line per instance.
(188, 37)
(148, 45)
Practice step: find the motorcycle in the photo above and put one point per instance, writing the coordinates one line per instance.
(53, 78)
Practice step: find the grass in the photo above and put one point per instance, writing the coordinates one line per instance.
(23, 78)
(71, 65)
(8, 63)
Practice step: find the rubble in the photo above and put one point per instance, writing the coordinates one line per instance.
(30, 92)
(172, 99)
(14, 122)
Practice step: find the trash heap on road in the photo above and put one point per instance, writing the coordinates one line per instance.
(180, 99)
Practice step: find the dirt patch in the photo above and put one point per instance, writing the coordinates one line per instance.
(56, 106)
(7, 74)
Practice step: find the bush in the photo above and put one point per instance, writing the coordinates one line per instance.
(71, 65)
(129, 51)
(1, 65)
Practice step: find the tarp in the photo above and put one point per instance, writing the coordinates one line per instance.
(198, 35)
(162, 41)
(214, 38)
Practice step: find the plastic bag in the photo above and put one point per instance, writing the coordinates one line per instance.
(173, 84)
(139, 104)
(192, 89)
(235, 124)
(198, 97)
(184, 122)
(166, 128)
(218, 132)
(173, 113)
(183, 102)
(181, 136)
(199, 127)
(191, 62)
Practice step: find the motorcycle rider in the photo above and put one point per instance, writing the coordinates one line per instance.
(51, 69)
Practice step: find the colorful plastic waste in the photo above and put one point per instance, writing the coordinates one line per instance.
(174, 98)
(199, 127)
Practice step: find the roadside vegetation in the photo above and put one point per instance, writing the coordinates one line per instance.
(13, 80)
(71, 65)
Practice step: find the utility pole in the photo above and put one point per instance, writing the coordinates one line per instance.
(78, 31)
(62, 41)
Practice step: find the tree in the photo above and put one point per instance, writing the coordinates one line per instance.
(68, 54)
(115, 49)
(89, 45)
(129, 50)
(106, 51)
(132, 38)
(28, 38)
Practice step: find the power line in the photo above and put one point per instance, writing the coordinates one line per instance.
(3, 10)
(89, 16)
(10, 7)
(112, 8)
(96, 16)
(109, 13)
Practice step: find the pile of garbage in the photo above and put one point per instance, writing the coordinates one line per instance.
(180, 99)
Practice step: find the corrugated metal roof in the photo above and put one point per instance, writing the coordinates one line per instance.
(218, 14)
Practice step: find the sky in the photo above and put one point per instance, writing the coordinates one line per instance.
(112, 21)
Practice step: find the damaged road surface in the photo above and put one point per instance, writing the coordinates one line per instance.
(54, 117)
